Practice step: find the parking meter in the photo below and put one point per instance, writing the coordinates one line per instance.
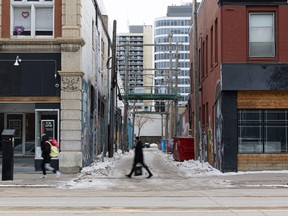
(7, 154)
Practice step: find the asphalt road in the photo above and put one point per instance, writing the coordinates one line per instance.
(168, 192)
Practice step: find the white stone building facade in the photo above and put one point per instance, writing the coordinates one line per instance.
(61, 81)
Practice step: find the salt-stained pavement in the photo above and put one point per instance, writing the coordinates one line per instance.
(168, 174)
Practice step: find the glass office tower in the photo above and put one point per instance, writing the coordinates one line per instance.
(174, 28)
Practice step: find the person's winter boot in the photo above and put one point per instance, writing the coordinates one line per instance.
(150, 175)
(149, 172)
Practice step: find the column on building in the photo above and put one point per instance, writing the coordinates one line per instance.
(70, 158)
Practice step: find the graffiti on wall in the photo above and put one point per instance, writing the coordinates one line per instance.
(218, 148)
(87, 145)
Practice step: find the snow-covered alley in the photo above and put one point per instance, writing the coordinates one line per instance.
(168, 174)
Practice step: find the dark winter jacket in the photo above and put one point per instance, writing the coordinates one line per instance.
(45, 148)
(139, 153)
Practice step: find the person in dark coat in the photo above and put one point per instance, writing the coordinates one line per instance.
(45, 164)
(139, 158)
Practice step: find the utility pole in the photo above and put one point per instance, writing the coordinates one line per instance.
(134, 109)
(126, 89)
(166, 125)
(162, 126)
(170, 107)
(196, 84)
(113, 95)
(176, 93)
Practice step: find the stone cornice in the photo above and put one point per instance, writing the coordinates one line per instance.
(78, 41)
(71, 73)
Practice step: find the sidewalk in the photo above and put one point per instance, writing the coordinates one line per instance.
(34, 180)
(25, 175)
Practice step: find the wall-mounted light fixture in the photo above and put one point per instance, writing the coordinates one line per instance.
(17, 61)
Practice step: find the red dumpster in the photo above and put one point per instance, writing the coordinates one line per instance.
(183, 148)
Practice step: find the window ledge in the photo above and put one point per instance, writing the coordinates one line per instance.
(27, 41)
(41, 41)
(262, 59)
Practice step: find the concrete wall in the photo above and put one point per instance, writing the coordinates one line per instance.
(84, 55)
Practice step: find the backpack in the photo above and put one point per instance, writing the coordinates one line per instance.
(54, 143)
(54, 151)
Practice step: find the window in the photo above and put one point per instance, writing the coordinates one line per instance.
(202, 59)
(263, 131)
(275, 131)
(207, 114)
(250, 137)
(262, 34)
(211, 47)
(32, 18)
(206, 57)
(203, 115)
(216, 42)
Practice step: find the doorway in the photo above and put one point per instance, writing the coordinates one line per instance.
(24, 126)
(15, 121)
(47, 122)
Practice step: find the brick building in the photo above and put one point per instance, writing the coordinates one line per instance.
(243, 86)
(53, 77)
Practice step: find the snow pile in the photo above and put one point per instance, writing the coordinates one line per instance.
(102, 168)
(193, 168)
(91, 176)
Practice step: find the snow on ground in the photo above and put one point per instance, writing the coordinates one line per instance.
(103, 168)
(193, 168)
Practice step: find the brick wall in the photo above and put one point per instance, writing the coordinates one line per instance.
(208, 14)
(254, 162)
(5, 19)
(5, 30)
(235, 33)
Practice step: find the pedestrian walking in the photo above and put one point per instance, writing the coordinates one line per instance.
(46, 150)
(139, 158)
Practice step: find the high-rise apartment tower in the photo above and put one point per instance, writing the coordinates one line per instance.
(133, 58)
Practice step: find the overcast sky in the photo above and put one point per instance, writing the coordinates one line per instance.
(137, 12)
